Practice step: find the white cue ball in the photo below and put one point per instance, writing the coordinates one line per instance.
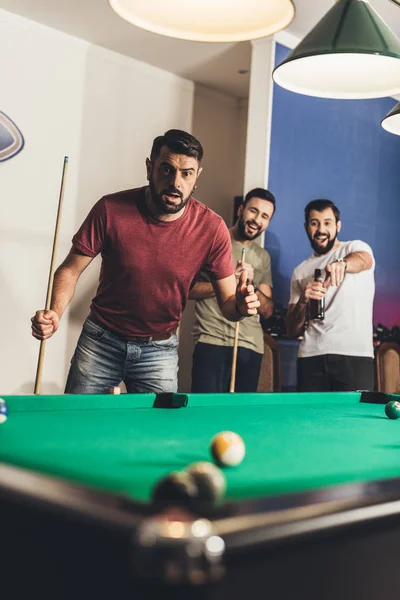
(228, 449)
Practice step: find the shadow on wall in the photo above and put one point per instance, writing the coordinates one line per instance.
(80, 308)
(186, 348)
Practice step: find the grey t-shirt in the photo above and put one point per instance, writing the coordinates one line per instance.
(347, 327)
(210, 325)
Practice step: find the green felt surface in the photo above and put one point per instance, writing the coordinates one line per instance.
(294, 442)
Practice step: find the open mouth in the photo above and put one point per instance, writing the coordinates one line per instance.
(172, 197)
(253, 228)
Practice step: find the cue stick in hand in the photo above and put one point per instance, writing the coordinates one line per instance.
(235, 343)
(51, 275)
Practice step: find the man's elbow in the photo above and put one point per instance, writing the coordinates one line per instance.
(228, 308)
(267, 312)
(368, 261)
(67, 274)
(227, 313)
(63, 270)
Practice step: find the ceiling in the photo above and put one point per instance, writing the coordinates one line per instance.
(214, 65)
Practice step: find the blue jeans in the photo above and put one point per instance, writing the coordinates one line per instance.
(103, 359)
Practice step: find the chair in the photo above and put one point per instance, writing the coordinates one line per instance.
(270, 373)
(387, 368)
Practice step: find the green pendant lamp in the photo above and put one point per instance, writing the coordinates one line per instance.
(208, 20)
(351, 53)
(392, 120)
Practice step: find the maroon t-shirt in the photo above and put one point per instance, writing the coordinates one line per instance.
(148, 266)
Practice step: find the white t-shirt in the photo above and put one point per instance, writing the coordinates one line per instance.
(347, 327)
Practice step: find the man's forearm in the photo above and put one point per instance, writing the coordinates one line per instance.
(201, 290)
(296, 318)
(358, 261)
(63, 289)
(266, 307)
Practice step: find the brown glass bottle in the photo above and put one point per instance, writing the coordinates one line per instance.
(317, 307)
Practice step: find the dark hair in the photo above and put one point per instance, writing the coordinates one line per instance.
(320, 205)
(259, 193)
(178, 141)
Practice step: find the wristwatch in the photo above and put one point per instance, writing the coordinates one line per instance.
(343, 261)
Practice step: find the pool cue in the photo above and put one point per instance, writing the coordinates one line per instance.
(235, 343)
(51, 275)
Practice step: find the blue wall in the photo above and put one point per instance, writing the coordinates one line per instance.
(335, 149)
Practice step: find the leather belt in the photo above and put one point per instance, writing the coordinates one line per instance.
(156, 337)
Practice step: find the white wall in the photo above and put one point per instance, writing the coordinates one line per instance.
(101, 109)
(220, 123)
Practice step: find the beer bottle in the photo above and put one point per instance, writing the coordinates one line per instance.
(317, 307)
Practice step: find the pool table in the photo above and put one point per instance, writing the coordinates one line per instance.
(312, 512)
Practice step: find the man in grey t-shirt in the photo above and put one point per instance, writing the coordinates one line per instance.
(336, 353)
(213, 335)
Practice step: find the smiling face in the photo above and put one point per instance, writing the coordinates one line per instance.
(254, 218)
(172, 179)
(322, 230)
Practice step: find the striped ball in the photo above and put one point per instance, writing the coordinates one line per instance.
(227, 449)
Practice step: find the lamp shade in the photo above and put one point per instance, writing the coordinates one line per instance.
(208, 20)
(392, 120)
(350, 53)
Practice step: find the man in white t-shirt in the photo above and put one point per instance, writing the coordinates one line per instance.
(337, 352)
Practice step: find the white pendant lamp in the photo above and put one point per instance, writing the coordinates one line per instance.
(208, 20)
(392, 120)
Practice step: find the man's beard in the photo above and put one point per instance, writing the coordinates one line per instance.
(241, 224)
(322, 249)
(162, 204)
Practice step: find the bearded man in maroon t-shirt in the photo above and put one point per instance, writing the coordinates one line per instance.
(154, 241)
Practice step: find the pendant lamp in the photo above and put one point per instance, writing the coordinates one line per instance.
(392, 120)
(351, 53)
(208, 20)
